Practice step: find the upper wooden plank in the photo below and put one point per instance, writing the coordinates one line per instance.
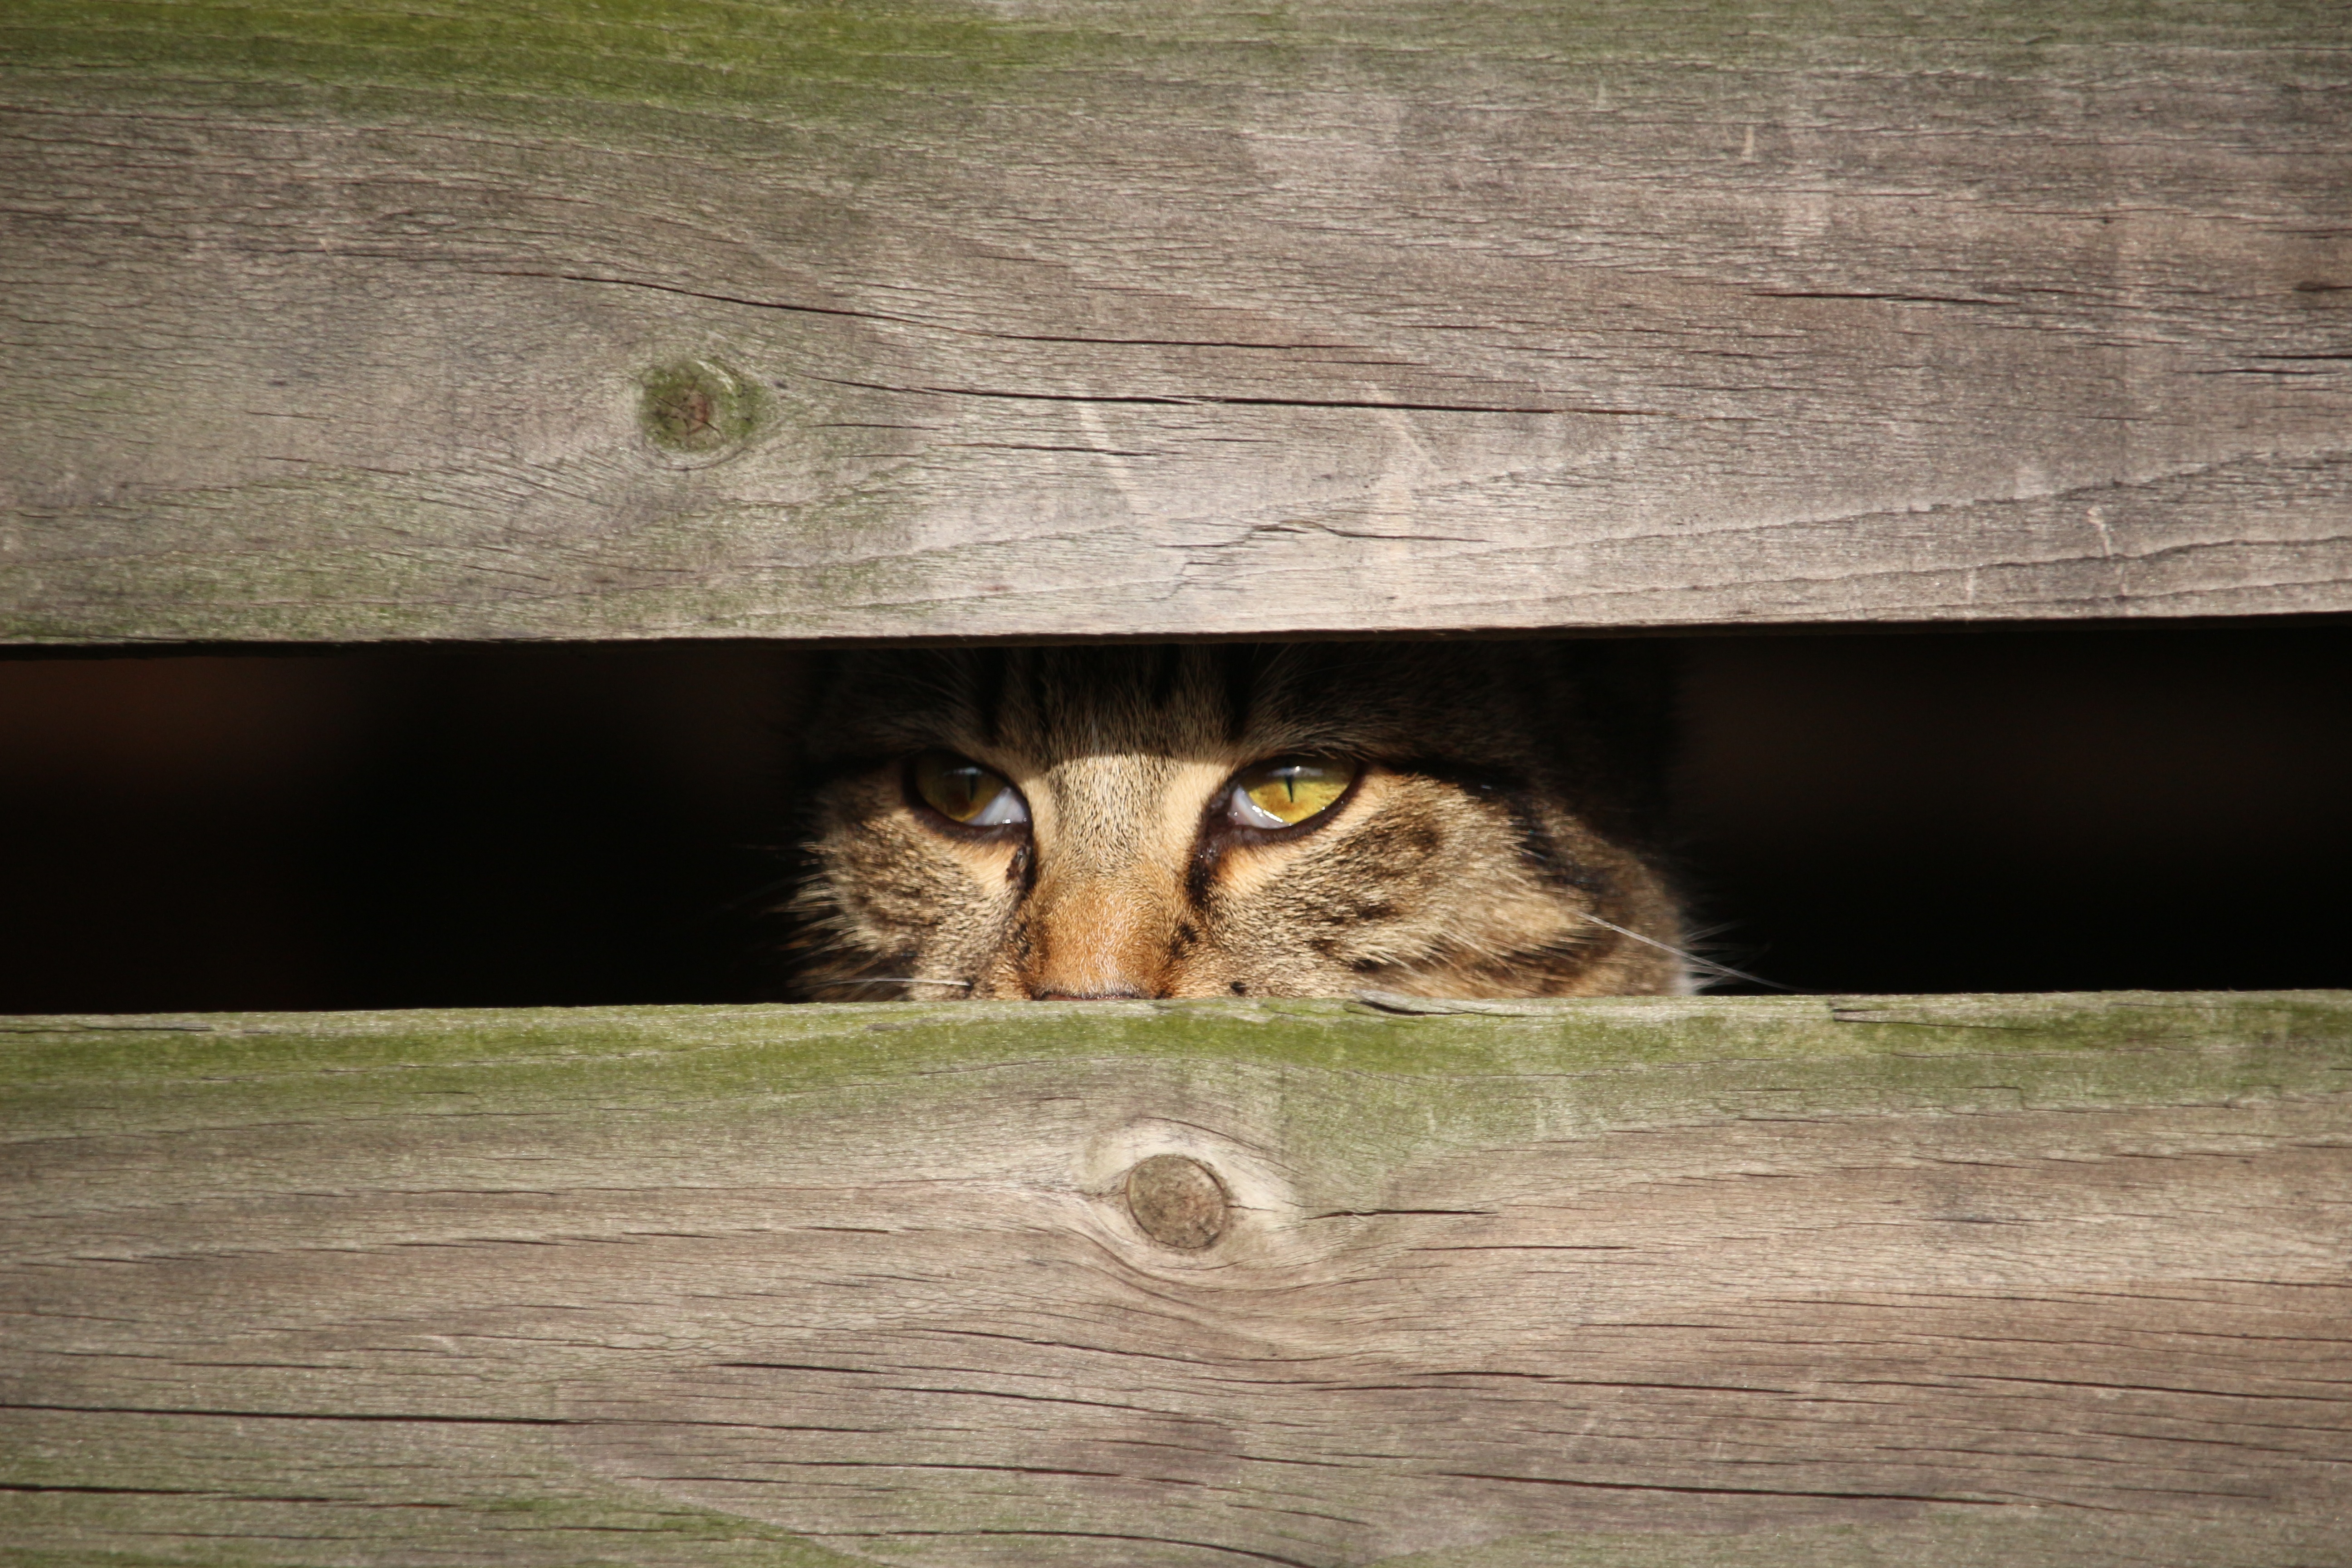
(360, 320)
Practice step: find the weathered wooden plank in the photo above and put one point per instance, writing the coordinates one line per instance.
(1758, 1281)
(344, 321)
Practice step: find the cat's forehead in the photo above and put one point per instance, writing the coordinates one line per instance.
(1057, 703)
(1496, 706)
(1051, 704)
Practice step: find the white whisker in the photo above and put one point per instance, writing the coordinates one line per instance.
(1721, 970)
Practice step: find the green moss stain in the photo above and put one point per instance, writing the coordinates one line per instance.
(654, 52)
(776, 56)
(1361, 1076)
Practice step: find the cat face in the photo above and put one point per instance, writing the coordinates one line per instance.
(1304, 820)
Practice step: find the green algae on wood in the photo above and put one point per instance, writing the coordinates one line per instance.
(689, 52)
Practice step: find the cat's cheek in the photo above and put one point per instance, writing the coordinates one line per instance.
(993, 867)
(1201, 965)
(1249, 869)
(1422, 896)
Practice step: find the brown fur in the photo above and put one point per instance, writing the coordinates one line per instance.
(1497, 809)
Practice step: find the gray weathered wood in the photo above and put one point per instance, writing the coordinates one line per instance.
(1073, 319)
(1936, 1281)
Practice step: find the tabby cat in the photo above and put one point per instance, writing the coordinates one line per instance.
(1293, 820)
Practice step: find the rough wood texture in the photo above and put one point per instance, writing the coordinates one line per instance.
(1938, 1281)
(660, 318)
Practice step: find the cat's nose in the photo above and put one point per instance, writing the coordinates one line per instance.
(1096, 939)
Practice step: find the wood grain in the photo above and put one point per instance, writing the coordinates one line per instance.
(1077, 319)
(1933, 1280)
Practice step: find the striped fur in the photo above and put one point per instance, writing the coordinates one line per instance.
(1497, 824)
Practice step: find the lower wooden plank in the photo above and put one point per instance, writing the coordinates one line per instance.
(1937, 1280)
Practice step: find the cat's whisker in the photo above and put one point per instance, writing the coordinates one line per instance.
(1720, 971)
(779, 888)
(890, 980)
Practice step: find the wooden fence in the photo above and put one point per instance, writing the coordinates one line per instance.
(631, 318)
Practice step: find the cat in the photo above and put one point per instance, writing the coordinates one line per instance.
(1302, 819)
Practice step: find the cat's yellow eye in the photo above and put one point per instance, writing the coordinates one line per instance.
(962, 791)
(1288, 790)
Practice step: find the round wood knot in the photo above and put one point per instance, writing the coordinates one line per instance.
(697, 407)
(1178, 1202)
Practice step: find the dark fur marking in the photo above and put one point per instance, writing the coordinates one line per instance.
(1471, 780)
(1240, 666)
(988, 692)
(1200, 873)
(1166, 667)
(1539, 852)
(1380, 844)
